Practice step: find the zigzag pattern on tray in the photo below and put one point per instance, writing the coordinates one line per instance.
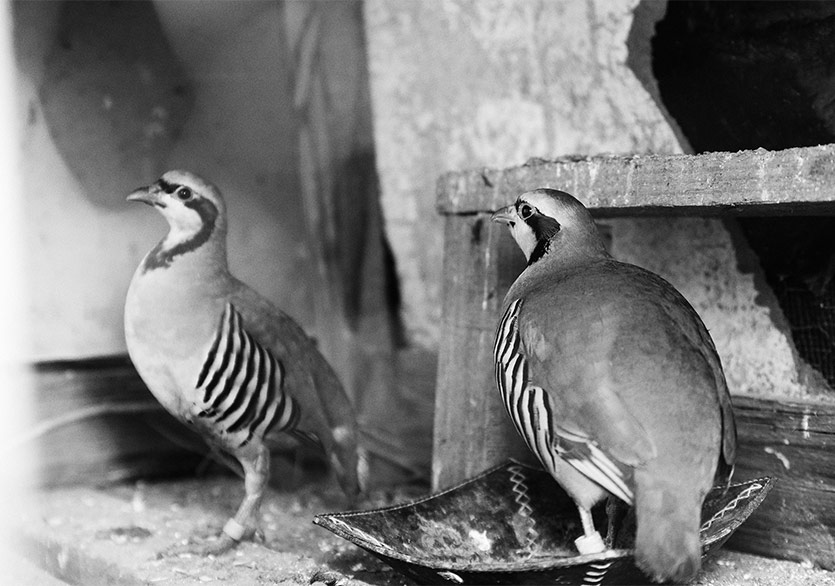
(731, 506)
(523, 499)
(349, 529)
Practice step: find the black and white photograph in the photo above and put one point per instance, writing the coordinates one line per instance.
(400, 292)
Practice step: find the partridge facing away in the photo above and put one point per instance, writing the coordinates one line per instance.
(223, 359)
(612, 380)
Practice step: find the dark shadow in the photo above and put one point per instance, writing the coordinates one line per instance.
(748, 75)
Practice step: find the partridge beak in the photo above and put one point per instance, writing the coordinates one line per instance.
(148, 195)
(506, 215)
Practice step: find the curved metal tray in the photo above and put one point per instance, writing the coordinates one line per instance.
(513, 524)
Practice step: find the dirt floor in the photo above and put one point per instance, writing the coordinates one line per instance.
(113, 535)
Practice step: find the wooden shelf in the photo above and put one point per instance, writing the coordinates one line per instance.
(792, 181)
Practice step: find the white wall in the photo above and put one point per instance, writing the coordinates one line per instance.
(83, 241)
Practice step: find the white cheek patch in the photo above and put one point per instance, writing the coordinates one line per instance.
(184, 222)
(524, 237)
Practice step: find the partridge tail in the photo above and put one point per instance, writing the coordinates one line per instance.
(667, 544)
(339, 431)
(347, 459)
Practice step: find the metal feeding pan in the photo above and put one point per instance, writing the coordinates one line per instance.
(513, 524)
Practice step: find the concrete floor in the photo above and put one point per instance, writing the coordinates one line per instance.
(112, 535)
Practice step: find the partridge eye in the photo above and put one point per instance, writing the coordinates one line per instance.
(525, 211)
(184, 193)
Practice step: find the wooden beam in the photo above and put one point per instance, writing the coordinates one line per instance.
(791, 181)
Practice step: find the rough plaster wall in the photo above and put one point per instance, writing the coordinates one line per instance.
(79, 258)
(467, 83)
(463, 83)
(82, 250)
(697, 255)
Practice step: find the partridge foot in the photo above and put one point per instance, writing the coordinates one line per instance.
(215, 545)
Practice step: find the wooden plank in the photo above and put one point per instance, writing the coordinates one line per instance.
(797, 180)
(793, 442)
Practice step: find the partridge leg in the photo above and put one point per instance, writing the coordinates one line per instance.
(244, 524)
(590, 542)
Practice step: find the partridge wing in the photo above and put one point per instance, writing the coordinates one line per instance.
(588, 426)
(327, 415)
(241, 386)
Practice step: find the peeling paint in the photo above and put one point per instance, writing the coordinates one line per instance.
(779, 455)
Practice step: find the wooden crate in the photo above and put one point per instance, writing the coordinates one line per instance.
(795, 442)
(97, 423)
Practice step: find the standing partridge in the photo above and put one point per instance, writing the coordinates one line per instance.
(614, 383)
(224, 360)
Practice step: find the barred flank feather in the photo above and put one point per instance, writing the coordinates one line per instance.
(243, 385)
(531, 413)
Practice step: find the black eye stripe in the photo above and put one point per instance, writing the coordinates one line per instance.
(544, 229)
(166, 186)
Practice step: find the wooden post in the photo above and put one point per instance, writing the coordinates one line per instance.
(472, 430)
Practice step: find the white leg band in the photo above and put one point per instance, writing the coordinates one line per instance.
(591, 543)
(234, 529)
